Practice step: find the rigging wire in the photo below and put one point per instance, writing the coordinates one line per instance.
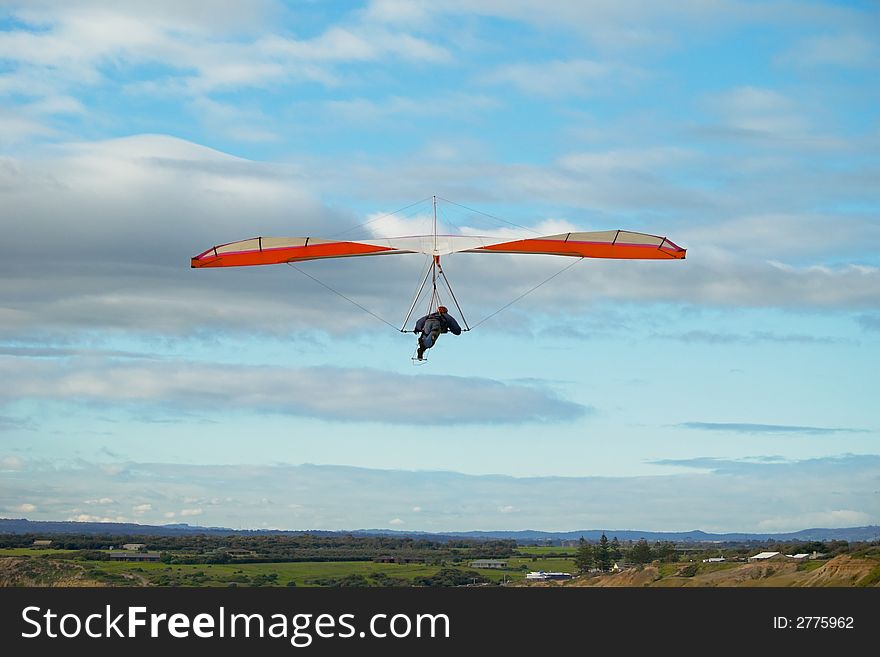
(547, 280)
(418, 295)
(491, 216)
(452, 294)
(435, 293)
(367, 223)
(342, 295)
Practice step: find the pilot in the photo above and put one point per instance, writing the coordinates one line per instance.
(431, 326)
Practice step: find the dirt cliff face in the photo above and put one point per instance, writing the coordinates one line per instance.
(839, 571)
(765, 573)
(633, 577)
(30, 571)
(845, 571)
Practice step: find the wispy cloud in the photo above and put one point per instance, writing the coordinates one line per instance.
(8, 423)
(194, 52)
(102, 501)
(870, 322)
(845, 49)
(754, 337)
(11, 463)
(555, 78)
(330, 393)
(357, 111)
(745, 427)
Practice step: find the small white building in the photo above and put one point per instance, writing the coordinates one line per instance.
(558, 576)
(713, 560)
(134, 546)
(537, 575)
(763, 556)
(800, 555)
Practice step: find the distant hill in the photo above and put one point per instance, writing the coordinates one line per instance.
(867, 533)
(23, 526)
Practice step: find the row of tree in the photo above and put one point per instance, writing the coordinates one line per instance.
(213, 548)
(604, 554)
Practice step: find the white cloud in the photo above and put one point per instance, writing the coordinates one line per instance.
(357, 111)
(169, 514)
(85, 517)
(142, 206)
(381, 224)
(26, 507)
(103, 500)
(239, 122)
(186, 513)
(847, 49)
(799, 235)
(417, 509)
(11, 463)
(323, 392)
(833, 518)
(762, 111)
(16, 128)
(396, 521)
(714, 495)
(197, 52)
(617, 160)
(556, 78)
(355, 44)
(56, 105)
(142, 508)
(399, 12)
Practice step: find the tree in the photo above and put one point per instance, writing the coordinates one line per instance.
(616, 552)
(641, 552)
(584, 559)
(603, 554)
(665, 551)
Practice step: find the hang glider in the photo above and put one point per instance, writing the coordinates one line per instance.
(619, 244)
(614, 244)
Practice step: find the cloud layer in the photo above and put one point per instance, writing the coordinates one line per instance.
(328, 393)
(111, 226)
(732, 496)
(745, 427)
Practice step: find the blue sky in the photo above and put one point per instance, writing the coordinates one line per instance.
(732, 391)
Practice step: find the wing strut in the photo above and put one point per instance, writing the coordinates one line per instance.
(433, 271)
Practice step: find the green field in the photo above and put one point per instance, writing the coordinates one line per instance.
(30, 552)
(278, 574)
(300, 573)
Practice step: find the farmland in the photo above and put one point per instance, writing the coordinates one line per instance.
(301, 573)
(311, 560)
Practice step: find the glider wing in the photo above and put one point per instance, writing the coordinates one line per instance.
(277, 250)
(602, 244)
(622, 244)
